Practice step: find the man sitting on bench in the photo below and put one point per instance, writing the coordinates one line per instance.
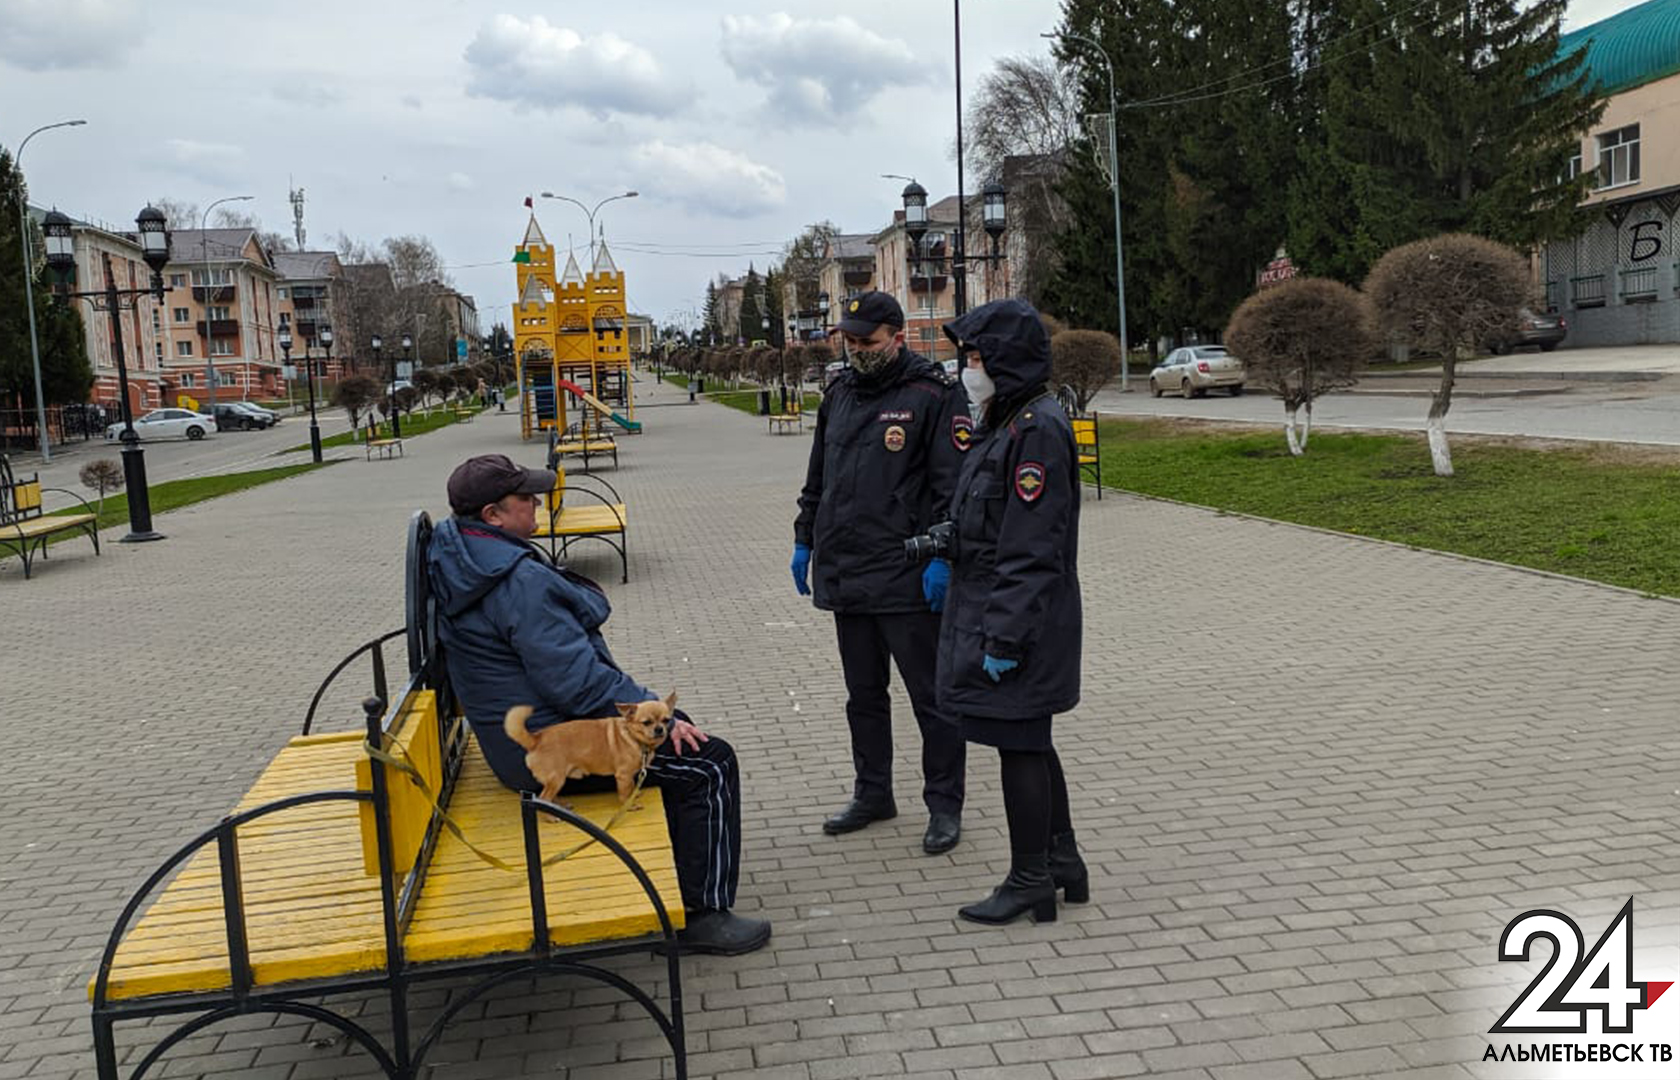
(521, 631)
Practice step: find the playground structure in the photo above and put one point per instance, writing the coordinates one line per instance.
(569, 342)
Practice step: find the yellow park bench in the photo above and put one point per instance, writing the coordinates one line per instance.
(372, 442)
(464, 416)
(345, 872)
(794, 418)
(1089, 449)
(24, 527)
(600, 515)
(580, 443)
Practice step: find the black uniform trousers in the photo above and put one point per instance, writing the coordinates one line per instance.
(911, 640)
(702, 796)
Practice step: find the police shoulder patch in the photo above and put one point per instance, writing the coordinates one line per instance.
(962, 433)
(1029, 481)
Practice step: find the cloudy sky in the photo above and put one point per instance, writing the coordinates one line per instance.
(738, 123)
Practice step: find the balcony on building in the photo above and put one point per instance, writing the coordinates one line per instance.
(219, 327)
(920, 283)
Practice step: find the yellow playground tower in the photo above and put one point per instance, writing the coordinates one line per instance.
(569, 342)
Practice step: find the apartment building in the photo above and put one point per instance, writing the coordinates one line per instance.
(1619, 281)
(222, 316)
(142, 326)
(304, 298)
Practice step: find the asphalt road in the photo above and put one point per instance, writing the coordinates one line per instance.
(1639, 412)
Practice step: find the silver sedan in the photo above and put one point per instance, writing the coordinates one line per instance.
(1196, 369)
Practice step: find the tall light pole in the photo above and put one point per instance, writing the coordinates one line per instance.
(209, 287)
(153, 232)
(591, 213)
(1114, 185)
(29, 284)
(323, 333)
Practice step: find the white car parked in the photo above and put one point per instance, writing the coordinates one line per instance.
(167, 424)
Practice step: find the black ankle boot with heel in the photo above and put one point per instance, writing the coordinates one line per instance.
(1068, 869)
(1028, 888)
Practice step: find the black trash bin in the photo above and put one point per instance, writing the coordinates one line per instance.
(764, 402)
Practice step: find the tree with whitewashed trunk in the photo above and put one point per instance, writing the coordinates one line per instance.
(1300, 339)
(102, 474)
(1449, 294)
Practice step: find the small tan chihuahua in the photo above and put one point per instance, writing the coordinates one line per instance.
(612, 746)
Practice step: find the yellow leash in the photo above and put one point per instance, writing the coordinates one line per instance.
(402, 763)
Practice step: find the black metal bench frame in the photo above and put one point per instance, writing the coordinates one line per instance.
(12, 537)
(405, 1059)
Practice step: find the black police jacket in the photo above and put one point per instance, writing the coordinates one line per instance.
(1014, 590)
(882, 468)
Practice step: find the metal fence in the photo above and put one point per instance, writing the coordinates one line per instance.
(65, 424)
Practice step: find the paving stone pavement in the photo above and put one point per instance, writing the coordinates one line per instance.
(1314, 777)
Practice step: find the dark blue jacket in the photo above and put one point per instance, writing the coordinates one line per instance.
(516, 630)
(882, 466)
(1014, 589)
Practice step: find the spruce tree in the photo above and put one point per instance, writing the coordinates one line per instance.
(752, 290)
(66, 375)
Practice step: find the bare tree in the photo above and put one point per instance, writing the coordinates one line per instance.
(803, 257)
(1301, 339)
(1085, 361)
(179, 213)
(230, 217)
(1448, 294)
(1023, 118)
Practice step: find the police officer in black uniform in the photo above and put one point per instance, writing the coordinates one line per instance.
(890, 437)
(1010, 641)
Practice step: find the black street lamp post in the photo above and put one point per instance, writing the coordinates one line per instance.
(993, 213)
(408, 359)
(153, 232)
(323, 334)
(379, 343)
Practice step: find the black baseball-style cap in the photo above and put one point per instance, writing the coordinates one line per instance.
(479, 481)
(866, 311)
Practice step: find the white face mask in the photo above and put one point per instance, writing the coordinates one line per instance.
(980, 387)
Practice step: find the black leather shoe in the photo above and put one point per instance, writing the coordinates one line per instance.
(943, 832)
(1068, 869)
(1029, 887)
(857, 814)
(722, 933)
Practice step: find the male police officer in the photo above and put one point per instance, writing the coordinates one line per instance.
(889, 442)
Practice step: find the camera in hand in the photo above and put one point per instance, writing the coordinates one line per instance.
(939, 542)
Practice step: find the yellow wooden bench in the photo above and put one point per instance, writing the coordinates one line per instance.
(1089, 449)
(794, 418)
(604, 519)
(384, 446)
(25, 527)
(596, 446)
(338, 872)
(465, 416)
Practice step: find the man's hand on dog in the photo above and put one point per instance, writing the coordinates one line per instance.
(683, 734)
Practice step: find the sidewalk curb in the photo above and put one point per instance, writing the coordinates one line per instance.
(1531, 376)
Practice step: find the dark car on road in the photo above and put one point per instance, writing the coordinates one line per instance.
(238, 416)
(1542, 329)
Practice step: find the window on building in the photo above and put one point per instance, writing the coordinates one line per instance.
(227, 378)
(157, 349)
(219, 311)
(182, 315)
(177, 281)
(183, 348)
(187, 380)
(221, 347)
(283, 292)
(212, 277)
(157, 320)
(1575, 163)
(1618, 157)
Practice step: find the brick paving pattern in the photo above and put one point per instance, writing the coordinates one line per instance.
(1314, 776)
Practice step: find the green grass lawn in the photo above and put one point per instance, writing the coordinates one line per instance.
(747, 401)
(417, 424)
(174, 494)
(1605, 513)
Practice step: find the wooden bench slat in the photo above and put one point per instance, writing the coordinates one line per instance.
(312, 912)
(43, 526)
(583, 520)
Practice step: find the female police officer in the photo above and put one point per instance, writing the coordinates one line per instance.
(1009, 642)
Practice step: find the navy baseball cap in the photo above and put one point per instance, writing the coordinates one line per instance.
(866, 311)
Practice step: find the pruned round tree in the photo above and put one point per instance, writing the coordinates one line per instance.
(1449, 294)
(354, 394)
(1085, 361)
(102, 475)
(1300, 339)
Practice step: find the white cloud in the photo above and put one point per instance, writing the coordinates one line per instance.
(709, 178)
(459, 181)
(818, 69)
(537, 64)
(41, 35)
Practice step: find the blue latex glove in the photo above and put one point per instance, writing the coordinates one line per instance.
(996, 667)
(801, 568)
(935, 580)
